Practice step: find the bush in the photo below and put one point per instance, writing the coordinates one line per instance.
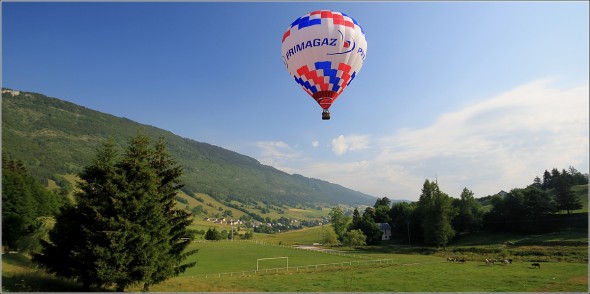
(212, 234)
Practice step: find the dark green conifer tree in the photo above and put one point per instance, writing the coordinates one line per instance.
(356, 220)
(125, 215)
(84, 244)
(168, 176)
(24, 201)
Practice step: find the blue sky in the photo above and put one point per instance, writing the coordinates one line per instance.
(483, 95)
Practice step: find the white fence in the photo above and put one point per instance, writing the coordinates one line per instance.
(366, 260)
(311, 267)
(319, 250)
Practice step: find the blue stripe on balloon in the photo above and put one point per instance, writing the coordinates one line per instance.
(304, 22)
(314, 22)
(323, 65)
(305, 84)
(351, 77)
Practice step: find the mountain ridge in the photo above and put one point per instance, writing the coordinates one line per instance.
(54, 137)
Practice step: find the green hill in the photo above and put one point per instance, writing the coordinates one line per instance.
(56, 138)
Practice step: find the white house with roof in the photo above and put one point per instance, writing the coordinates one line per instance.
(386, 230)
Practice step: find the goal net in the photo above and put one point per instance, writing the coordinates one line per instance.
(272, 263)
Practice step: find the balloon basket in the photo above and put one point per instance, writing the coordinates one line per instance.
(325, 115)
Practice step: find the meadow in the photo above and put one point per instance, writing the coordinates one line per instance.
(230, 266)
(436, 276)
(216, 257)
(402, 273)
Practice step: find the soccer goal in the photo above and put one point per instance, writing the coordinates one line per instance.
(272, 264)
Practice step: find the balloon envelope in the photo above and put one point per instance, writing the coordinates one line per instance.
(324, 51)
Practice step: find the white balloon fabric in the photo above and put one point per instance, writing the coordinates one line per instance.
(324, 51)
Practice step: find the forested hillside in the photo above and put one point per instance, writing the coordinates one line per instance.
(54, 137)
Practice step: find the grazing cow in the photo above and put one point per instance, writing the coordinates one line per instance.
(509, 260)
(490, 261)
(462, 260)
(505, 261)
(536, 264)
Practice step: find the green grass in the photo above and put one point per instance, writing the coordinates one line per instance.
(418, 274)
(308, 213)
(485, 238)
(303, 236)
(238, 256)
(19, 274)
(412, 272)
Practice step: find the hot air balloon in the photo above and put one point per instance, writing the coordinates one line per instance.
(324, 51)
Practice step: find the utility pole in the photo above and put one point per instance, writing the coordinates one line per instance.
(408, 223)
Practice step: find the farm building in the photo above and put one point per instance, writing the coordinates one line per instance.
(386, 230)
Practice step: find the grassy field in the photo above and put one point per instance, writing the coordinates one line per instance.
(304, 236)
(434, 276)
(239, 256)
(415, 271)
(409, 268)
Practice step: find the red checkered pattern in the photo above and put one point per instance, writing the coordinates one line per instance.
(323, 15)
(320, 86)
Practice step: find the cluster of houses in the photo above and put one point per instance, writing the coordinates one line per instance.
(385, 228)
(255, 224)
(223, 220)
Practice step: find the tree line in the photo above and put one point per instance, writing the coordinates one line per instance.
(436, 218)
(26, 206)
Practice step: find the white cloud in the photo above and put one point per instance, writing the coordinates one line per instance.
(315, 143)
(343, 144)
(277, 153)
(497, 144)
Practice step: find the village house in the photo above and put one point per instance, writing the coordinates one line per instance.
(386, 230)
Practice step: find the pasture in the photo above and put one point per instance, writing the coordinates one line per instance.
(404, 273)
(308, 235)
(228, 266)
(240, 256)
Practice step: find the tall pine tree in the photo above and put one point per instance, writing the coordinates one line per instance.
(168, 173)
(126, 230)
